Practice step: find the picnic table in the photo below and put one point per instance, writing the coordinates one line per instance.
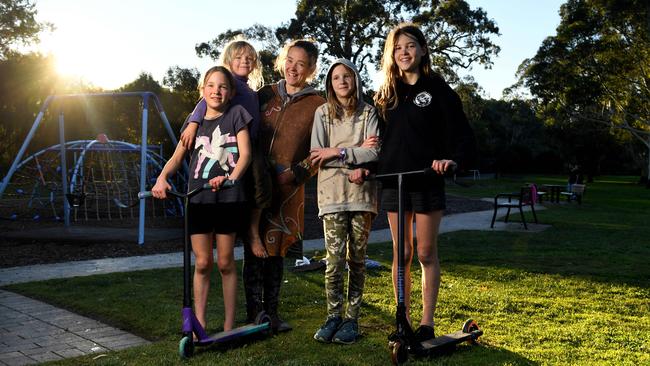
(553, 191)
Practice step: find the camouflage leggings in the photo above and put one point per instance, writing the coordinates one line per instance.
(345, 230)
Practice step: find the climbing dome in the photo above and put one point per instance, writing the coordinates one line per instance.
(101, 172)
(80, 180)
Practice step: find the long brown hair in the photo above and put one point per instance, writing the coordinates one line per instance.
(386, 97)
(223, 70)
(336, 109)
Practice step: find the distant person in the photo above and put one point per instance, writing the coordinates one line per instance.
(574, 177)
(287, 114)
(341, 126)
(425, 128)
(222, 152)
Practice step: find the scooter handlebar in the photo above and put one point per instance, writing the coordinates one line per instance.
(450, 170)
(226, 184)
(144, 194)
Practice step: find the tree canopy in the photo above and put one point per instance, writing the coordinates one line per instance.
(596, 68)
(356, 29)
(18, 25)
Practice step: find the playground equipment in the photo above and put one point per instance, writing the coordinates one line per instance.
(78, 180)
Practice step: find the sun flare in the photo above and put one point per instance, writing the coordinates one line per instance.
(84, 57)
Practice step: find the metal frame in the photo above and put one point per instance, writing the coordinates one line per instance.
(146, 96)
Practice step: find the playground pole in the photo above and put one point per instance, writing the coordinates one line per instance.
(168, 127)
(21, 152)
(64, 170)
(143, 164)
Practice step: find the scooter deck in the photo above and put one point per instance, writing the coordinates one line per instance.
(449, 340)
(235, 333)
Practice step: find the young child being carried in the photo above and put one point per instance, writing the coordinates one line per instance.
(222, 151)
(241, 58)
(344, 141)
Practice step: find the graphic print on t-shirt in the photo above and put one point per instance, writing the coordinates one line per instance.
(215, 150)
(423, 99)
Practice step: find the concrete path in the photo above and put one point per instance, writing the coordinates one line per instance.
(479, 220)
(32, 331)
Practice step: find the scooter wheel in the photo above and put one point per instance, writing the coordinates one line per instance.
(264, 318)
(186, 347)
(470, 326)
(398, 352)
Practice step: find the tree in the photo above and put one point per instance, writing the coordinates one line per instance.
(18, 25)
(25, 82)
(182, 80)
(356, 30)
(596, 68)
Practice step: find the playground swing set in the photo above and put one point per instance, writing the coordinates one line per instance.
(79, 180)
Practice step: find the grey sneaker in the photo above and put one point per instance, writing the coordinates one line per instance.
(326, 332)
(348, 332)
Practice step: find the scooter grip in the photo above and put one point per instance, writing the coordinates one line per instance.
(229, 183)
(144, 194)
(226, 184)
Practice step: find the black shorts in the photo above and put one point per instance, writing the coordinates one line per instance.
(217, 218)
(418, 201)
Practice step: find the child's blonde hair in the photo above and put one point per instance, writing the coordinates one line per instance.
(335, 108)
(386, 97)
(309, 48)
(236, 47)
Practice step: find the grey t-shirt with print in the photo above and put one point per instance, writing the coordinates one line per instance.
(215, 153)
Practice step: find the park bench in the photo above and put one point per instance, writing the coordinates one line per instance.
(576, 193)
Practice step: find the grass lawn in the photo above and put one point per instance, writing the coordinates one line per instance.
(575, 294)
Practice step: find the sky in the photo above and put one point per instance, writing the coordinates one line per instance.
(109, 45)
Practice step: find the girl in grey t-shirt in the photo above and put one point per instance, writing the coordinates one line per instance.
(222, 151)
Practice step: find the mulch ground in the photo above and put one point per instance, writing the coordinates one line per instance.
(23, 252)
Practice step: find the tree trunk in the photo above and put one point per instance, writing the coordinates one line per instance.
(647, 180)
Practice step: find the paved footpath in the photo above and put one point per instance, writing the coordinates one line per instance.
(32, 331)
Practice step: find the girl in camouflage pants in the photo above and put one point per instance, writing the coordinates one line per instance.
(344, 141)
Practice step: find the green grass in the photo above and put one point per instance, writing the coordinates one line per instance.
(575, 294)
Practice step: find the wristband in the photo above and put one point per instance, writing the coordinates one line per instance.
(342, 154)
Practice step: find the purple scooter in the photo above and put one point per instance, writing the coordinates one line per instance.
(191, 325)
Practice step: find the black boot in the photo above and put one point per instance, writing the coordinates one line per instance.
(273, 273)
(253, 276)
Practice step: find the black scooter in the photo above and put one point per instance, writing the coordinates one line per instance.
(403, 342)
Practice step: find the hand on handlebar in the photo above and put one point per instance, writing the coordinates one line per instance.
(443, 166)
(217, 182)
(160, 189)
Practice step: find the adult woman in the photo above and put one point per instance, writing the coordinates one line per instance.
(425, 127)
(287, 114)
